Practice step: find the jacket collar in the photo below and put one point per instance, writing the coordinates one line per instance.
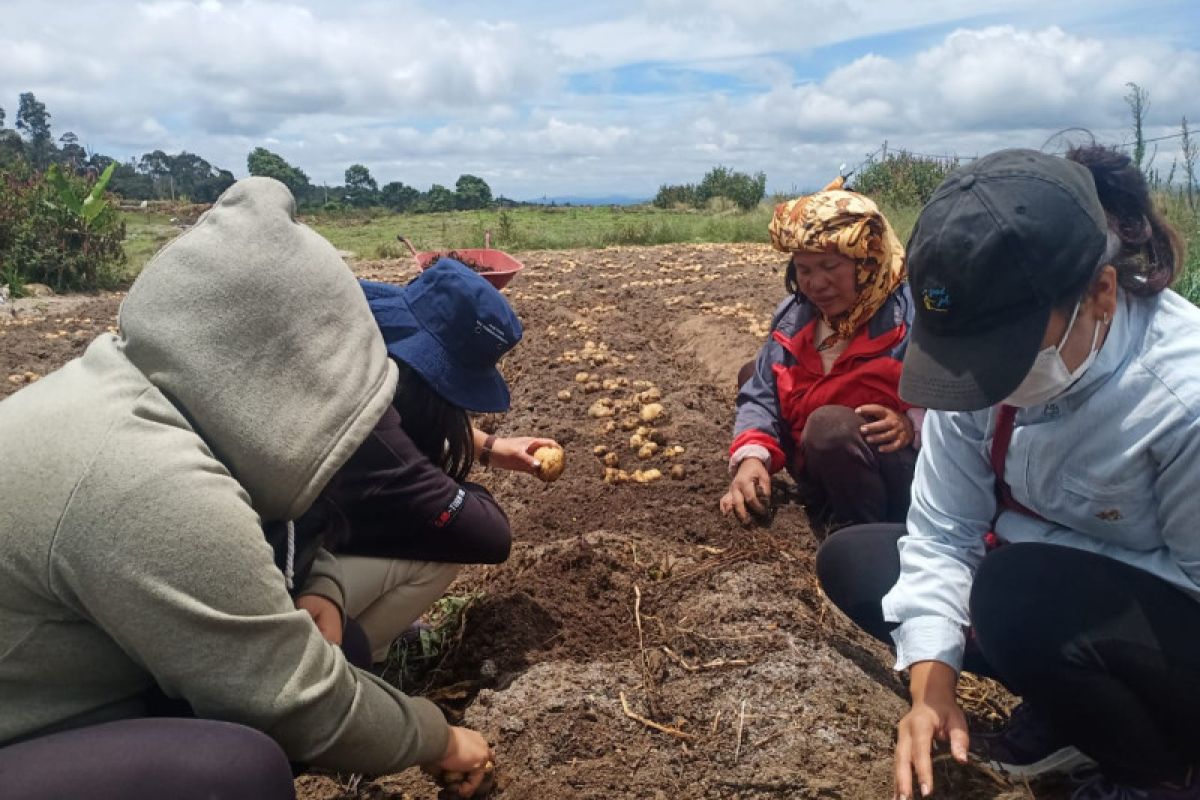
(881, 335)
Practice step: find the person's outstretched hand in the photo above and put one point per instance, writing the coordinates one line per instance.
(749, 492)
(516, 453)
(467, 764)
(936, 715)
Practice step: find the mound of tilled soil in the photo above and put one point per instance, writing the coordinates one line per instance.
(636, 644)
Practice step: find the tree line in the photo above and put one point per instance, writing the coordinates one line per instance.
(30, 146)
(361, 190)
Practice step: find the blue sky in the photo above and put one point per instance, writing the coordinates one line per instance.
(603, 98)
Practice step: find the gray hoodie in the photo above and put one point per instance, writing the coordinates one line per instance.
(135, 481)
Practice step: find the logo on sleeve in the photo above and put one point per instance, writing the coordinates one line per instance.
(451, 511)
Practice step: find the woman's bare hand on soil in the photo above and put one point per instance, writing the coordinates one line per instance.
(891, 430)
(749, 493)
(935, 715)
(467, 764)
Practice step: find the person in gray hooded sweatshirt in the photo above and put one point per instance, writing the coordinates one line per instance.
(136, 481)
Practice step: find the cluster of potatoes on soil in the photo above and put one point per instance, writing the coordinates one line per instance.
(739, 312)
(622, 407)
(21, 378)
(638, 414)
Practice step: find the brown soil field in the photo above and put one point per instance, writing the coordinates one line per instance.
(636, 644)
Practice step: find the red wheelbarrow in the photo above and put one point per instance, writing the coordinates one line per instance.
(496, 266)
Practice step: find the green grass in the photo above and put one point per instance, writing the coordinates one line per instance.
(903, 218)
(145, 234)
(374, 235)
(1187, 221)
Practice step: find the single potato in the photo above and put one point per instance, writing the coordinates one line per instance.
(651, 412)
(553, 462)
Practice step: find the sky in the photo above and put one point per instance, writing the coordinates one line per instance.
(596, 99)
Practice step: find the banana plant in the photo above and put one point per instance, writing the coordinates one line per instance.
(88, 208)
(86, 218)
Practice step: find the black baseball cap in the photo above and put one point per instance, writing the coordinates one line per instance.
(1001, 240)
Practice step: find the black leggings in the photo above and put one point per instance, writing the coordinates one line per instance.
(1109, 654)
(167, 755)
(184, 759)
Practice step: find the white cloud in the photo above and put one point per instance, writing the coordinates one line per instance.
(422, 93)
(997, 79)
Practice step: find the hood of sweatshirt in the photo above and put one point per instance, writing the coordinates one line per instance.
(257, 331)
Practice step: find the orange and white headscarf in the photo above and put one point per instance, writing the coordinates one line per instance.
(847, 223)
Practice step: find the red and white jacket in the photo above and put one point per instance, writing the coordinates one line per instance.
(789, 381)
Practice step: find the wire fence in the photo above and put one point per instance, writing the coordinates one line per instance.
(883, 149)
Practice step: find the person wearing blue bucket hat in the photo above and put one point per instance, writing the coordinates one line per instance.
(401, 516)
(452, 327)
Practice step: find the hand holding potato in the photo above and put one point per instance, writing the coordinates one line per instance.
(551, 463)
(468, 765)
(749, 493)
(516, 453)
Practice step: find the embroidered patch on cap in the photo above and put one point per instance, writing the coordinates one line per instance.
(936, 298)
(451, 511)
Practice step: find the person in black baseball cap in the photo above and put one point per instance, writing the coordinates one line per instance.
(997, 248)
(1052, 540)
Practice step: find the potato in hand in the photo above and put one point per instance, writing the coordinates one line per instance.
(552, 460)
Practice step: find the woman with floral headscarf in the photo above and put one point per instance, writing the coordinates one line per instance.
(821, 399)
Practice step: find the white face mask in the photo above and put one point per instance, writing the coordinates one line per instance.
(1050, 377)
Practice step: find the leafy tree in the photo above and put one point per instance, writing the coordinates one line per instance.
(361, 188)
(12, 149)
(359, 177)
(904, 179)
(33, 120)
(472, 192)
(745, 190)
(671, 196)
(195, 178)
(157, 165)
(272, 165)
(398, 197)
(71, 153)
(128, 182)
(438, 198)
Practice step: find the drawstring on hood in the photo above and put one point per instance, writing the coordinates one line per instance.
(289, 566)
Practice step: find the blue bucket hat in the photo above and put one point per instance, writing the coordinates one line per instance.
(452, 327)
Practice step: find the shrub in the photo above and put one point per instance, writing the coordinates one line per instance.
(745, 190)
(57, 228)
(675, 196)
(904, 179)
